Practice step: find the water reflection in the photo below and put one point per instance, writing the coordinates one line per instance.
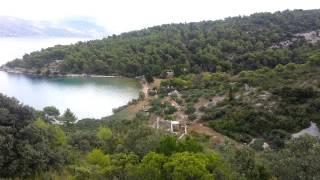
(87, 97)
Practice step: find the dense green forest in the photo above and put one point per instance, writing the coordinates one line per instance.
(250, 80)
(229, 45)
(31, 147)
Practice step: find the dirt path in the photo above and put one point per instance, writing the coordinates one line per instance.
(198, 127)
(145, 88)
(215, 137)
(131, 111)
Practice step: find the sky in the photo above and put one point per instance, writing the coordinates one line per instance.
(126, 15)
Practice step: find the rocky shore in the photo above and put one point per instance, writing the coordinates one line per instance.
(50, 74)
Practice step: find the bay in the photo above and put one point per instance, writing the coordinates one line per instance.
(87, 97)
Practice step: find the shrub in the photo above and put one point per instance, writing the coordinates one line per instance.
(192, 117)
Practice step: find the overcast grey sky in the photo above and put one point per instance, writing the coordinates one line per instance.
(125, 15)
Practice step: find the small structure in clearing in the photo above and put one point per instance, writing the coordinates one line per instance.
(175, 127)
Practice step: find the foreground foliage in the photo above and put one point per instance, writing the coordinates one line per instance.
(120, 149)
(250, 86)
(27, 145)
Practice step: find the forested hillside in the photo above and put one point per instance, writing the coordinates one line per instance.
(241, 88)
(268, 104)
(33, 148)
(232, 45)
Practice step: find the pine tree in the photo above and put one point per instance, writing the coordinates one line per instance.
(68, 117)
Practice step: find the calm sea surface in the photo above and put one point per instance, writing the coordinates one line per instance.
(86, 97)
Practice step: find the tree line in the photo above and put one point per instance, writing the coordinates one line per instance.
(32, 147)
(229, 45)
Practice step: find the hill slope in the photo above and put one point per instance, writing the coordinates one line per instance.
(254, 79)
(229, 45)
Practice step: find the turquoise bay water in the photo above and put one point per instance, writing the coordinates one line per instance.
(86, 97)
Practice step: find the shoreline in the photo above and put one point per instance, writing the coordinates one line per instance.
(12, 71)
(132, 102)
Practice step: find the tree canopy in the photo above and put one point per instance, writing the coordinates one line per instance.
(229, 45)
